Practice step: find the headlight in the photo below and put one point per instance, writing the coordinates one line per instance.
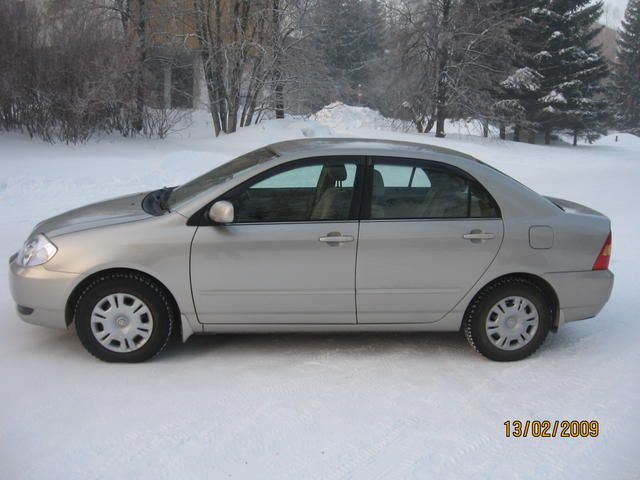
(36, 251)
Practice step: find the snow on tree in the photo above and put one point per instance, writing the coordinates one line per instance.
(572, 69)
(516, 100)
(556, 41)
(627, 70)
(522, 80)
(519, 88)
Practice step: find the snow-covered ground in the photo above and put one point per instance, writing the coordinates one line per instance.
(315, 406)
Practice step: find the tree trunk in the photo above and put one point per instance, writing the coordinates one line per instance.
(209, 73)
(218, 58)
(547, 136)
(532, 136)
(575, 138)
(516, 133)
(440, 118)
(443, 53)
(279, 93)
(503, 131)
(166, 84)
(141, 32)
(485, 128)
(430, 123)
(213, 105)
(248, 108)
(277, 61)
(251, 112)
(240, 35)
(124, 10)
(209, 41)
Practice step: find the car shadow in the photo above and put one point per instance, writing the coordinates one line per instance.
(66, 346)
(361, 345)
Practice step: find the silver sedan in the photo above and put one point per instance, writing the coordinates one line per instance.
(320, 235)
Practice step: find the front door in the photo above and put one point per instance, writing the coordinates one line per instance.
(289, 257)
(428, 233)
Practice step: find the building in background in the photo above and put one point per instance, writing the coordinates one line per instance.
(174, 73)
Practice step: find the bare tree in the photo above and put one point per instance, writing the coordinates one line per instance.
(299, 73)
(225, 36)
(66, 72)
(447, 54)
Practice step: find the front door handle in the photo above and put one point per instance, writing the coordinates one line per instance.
(475, 235)
(335, 238)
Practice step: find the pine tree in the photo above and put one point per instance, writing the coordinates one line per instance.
(556, 41)
(517, 102)
(627, 70)
(520, 95)
(572, 69)
(350, 35)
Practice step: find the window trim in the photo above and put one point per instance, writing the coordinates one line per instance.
(200, 218)
(371, 160)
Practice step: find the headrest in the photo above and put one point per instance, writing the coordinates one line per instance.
(337, 173)
(378, 182)
(446, 181)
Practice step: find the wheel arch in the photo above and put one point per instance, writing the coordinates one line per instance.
(546, 288)
(72, 300)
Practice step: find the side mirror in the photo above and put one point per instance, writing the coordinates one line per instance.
(221, 212)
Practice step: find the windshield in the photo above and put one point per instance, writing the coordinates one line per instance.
(219, 175)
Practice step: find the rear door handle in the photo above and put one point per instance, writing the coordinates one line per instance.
(336, 238)
(479, 236)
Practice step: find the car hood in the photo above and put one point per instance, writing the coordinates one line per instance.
(109, 212)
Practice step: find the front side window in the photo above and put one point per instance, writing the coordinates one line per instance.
(420, 191)
(309, 192)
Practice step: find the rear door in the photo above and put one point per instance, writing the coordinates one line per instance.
(428, 232)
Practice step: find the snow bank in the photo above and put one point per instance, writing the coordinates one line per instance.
(353, 121)
(295, 128)
(343, 117)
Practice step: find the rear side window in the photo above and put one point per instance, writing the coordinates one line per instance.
(416, 190)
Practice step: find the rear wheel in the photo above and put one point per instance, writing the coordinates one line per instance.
(123, 317)
(509, 320)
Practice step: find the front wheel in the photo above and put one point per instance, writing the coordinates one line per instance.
(123, 317)
(508, 320)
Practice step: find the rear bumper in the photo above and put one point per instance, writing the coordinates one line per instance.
(40, 294)
(581, 294)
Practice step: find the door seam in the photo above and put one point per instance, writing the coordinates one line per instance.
(355, 275)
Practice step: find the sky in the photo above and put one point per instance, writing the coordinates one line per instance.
(614, 11)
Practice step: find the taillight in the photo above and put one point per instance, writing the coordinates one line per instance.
(602, 262)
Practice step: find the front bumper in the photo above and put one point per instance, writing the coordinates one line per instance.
(581, 294)
(40, 294)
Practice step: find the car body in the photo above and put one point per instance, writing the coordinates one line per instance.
(371, 253)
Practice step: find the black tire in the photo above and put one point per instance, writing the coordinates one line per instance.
(145, 289)
(474, 325)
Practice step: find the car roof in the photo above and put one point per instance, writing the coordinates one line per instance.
(360, 146)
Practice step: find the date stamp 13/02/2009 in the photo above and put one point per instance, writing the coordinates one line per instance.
(552, 428)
